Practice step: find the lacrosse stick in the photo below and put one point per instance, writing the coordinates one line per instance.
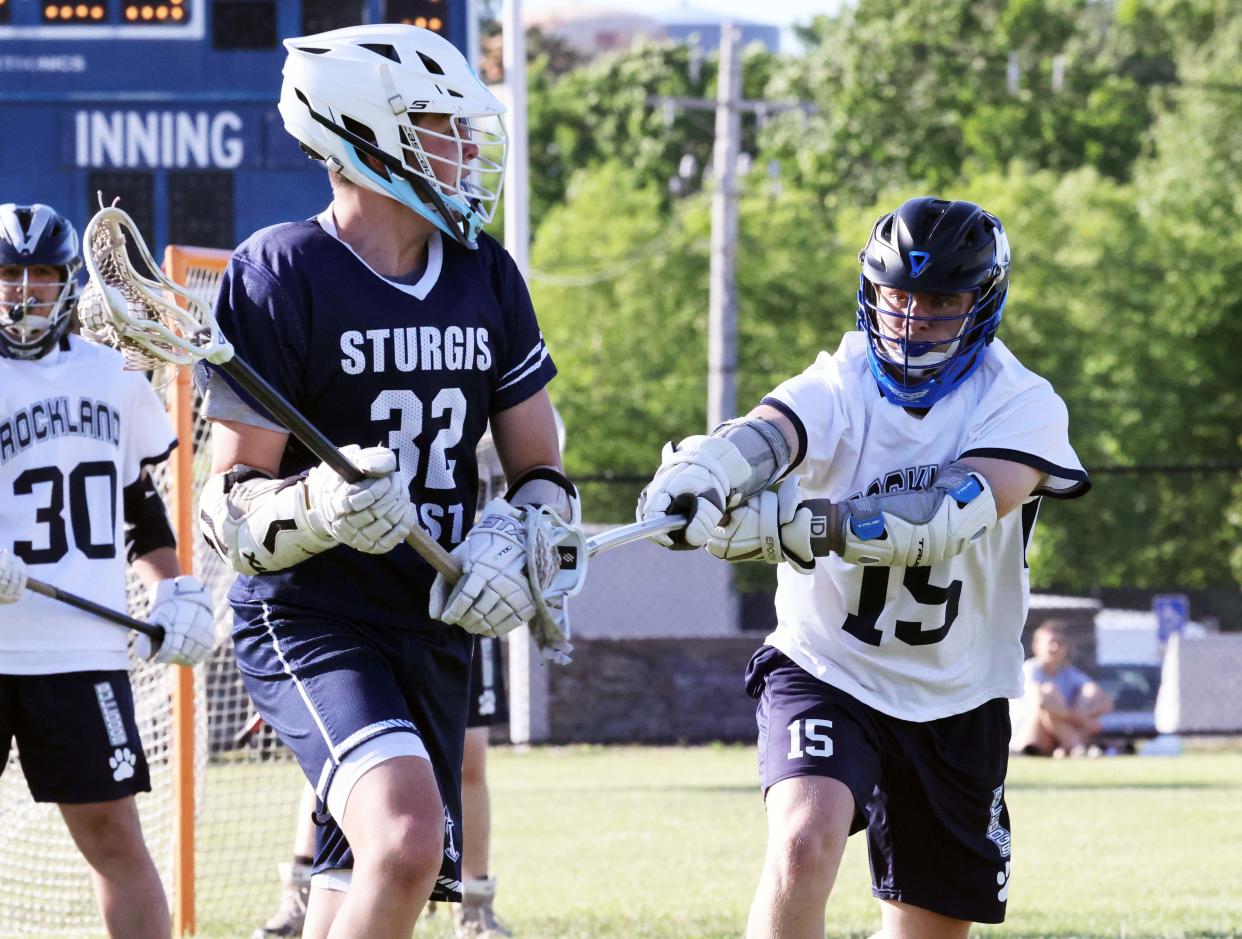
(626, 534)
(155, 633)
(140, 316)
(249, 729)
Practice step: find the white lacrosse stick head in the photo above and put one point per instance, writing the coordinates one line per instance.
(557, 556)
(150, 319)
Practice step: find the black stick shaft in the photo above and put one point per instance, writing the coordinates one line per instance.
(285, 413)
(156, 633)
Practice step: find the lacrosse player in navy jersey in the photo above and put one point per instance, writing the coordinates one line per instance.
(389, 317)
(77, 433)
(923, 447)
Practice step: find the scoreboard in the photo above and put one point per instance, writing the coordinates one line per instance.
(171, 105)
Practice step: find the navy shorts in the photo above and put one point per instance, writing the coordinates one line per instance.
(76, 736)
(931, 795)
(328, 685)
(488, 702)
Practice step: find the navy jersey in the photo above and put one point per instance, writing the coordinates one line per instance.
(418, 368)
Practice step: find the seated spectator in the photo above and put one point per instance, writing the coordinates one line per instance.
(1058, 714)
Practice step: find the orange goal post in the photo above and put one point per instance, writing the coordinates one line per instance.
(221, 811)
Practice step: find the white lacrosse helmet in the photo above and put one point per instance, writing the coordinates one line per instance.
(358, 90)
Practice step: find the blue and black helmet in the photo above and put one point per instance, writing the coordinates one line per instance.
(31, 321)
(930, 245)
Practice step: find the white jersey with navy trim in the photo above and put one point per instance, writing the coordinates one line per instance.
(918, 643)
(75, 430)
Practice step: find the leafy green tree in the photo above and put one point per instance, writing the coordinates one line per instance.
(920, 91)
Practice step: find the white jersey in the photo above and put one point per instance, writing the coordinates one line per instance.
(74, 431)
(918, 643)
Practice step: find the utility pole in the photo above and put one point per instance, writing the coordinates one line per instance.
(517, 204)
(722, 294)
(528, 675)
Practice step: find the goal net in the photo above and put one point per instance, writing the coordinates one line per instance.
(221, 810)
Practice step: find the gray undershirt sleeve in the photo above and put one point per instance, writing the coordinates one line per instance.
(221, 403)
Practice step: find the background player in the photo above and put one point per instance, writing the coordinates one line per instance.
(389, 314)
(76, 433)
(924, 445)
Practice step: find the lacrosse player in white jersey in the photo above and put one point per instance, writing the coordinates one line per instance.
(76, 434)
(922, 449)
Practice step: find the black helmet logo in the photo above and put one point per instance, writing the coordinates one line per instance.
(918, 262)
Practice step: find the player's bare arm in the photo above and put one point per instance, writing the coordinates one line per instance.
(526, 437)
(235, 444)
(1011, 483)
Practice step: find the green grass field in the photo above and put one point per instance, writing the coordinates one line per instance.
(666, 842)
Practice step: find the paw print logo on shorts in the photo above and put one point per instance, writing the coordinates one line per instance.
(122, 762)
(1002, 881)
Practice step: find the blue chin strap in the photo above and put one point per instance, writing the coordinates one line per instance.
(967, 357)
(401, 190)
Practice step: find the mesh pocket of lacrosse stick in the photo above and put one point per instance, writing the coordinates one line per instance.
(151, 321)
(556, 566)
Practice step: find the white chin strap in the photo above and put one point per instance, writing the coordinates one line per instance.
(919, 364)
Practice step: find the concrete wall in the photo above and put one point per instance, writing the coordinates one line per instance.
(653, 691)
(658, 656)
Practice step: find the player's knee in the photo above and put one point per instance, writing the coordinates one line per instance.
(806, 847)
(410, 849)
(110, 840)
(810, 856)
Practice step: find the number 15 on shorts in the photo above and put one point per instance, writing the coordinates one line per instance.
(807, 738)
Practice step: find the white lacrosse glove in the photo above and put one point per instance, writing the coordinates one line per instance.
(493, 595)
(12, 576)
(767, 528)
(374, 515)
(182, 605)
(697, 476)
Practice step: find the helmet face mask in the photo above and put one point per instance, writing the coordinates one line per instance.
(403, 98)
(931, 294)
(39, 266)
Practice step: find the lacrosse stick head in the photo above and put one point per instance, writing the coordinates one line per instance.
(557, 556)
(150, 319)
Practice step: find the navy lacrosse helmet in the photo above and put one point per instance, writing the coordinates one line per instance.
(31, 321)
(929, 245)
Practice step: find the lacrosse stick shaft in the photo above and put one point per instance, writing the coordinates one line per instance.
(323, 448)
(252, 727)
(156, 633)
(636, 532)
